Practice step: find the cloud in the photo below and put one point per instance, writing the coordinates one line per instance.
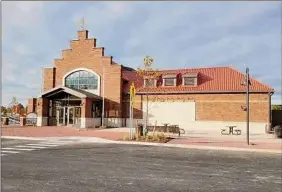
(177, 34)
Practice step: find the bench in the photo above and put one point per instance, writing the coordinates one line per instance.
(231, 131)
(222, 131)
(238, 131)
(167, 129)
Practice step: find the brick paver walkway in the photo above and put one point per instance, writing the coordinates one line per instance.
(50, 131)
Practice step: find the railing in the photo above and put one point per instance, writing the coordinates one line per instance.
(52, 121)
(14, 120)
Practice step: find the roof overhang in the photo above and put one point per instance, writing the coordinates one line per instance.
(75, 92)
(198, 92)
(190, 74)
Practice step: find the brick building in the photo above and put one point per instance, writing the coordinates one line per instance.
(73, 92)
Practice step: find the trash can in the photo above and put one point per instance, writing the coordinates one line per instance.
(140, 130)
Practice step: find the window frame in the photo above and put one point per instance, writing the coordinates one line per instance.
(153, 81)
(190, 78)
(166, 79)
(82, 79)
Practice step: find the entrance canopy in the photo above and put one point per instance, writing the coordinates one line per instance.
(61, 93)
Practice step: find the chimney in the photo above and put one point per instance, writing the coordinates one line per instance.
(82, 35)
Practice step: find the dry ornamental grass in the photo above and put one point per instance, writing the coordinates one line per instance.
(156, 138)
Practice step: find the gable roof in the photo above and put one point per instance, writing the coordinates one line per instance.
(76, 92)
(210, 80)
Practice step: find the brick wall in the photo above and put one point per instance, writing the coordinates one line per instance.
(49, 75)
(42, 107)
(86, 110)
(31, 106)
(214, 107)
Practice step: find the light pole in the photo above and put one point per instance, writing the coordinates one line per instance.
(103, 93)
(248, 105)
(247, 83)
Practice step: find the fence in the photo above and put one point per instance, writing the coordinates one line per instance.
(31, 121)
(14, 120)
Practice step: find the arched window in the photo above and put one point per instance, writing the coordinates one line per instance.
(82, 80)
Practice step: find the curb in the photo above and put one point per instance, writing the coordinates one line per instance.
(23, 138)
(202, 147)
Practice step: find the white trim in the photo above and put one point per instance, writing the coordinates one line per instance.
(174, 82)
(66, 89)
(195, 81)
(98, 92)
(145, 85)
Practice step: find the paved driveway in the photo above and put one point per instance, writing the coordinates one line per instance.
(126, 168)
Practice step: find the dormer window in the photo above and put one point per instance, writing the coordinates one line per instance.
(148, 82)
(190, 79)
(169, 80)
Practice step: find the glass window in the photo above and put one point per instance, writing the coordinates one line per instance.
(82, 80)
(169, 81)
(149, 82)
(189, 81)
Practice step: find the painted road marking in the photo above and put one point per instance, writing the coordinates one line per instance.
(55, 143)
(5, 151)
(35, 147)
(43, 145)
(31, 147)
(19, 149)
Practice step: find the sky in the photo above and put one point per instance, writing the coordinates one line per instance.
(176, 34)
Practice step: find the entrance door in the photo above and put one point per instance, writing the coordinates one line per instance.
(60, 116)
(70, 115)
(77, 115)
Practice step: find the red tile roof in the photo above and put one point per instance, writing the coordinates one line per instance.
(213, 79)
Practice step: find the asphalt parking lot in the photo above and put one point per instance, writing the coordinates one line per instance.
(118, 168)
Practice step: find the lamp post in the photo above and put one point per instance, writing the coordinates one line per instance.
(248, 105)
(247, 83)
(103, 93)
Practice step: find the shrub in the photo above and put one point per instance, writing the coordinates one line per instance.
(160, 138)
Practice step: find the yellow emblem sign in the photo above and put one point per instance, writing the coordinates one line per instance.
(132, 89)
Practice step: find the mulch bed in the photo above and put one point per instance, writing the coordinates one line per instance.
(152, 141)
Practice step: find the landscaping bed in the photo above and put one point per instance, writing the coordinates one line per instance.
(155, 138)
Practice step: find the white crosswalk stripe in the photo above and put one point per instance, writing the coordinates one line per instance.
(31, 147)
(6, 151)
(54, 143)
(43, 145)
(18, 149)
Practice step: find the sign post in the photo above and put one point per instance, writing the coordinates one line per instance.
(131, 121)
